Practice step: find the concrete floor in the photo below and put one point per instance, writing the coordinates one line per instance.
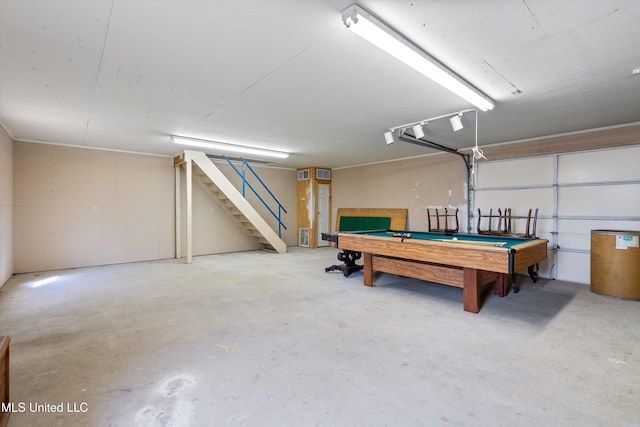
(261, 339)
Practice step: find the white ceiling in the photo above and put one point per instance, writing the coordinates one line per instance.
(287, 74)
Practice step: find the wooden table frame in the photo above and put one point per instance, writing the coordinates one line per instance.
(463, 265)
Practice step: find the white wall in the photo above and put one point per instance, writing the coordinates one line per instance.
(414, 184)
(79, 207)
(6, 207)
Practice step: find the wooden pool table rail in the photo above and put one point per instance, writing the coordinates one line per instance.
(486, 258)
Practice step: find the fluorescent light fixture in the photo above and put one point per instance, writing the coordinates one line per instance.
(223, 146)
(391, 41)
(388, 136)
(417, 131)
(456, 122)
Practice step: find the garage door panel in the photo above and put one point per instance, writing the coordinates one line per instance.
(520, 201)
(613, 165)
(532, 171)
(574, 267)
(600, 200)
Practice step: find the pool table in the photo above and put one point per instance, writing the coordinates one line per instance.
(467, 261)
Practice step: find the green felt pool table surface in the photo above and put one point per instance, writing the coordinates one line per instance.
(498, 241)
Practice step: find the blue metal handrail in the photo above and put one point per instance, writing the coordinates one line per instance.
(246, 183)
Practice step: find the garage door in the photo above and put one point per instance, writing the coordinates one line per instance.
(574, 194)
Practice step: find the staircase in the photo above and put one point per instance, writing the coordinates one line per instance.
(207, 174)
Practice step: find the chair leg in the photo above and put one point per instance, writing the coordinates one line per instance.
(527, 232)
(446, 222)
(457, 224)
(507, 220)
(490, 219)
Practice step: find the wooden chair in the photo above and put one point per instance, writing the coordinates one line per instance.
(506, 227)
(442, 222)
(507, 224)
(530, 227)
(490, 229)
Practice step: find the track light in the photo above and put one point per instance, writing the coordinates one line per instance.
(388, 136)
(372, 29)
(456, 122)
(418, 127)
(224, 147)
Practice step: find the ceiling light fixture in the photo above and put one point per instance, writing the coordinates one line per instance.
(454, 118)
(456, 122)
(372, 29)
(225, 147)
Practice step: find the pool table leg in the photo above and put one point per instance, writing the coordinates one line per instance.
(368, 269)
(470, 290)
(502, 285)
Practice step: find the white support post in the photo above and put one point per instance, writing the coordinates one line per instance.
(189, 210)
(178, 214)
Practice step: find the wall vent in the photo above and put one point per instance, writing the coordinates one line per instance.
(324, 174)
(303, 174)
(303, 236)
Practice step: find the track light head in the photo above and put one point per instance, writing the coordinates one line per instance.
(418, 132)
(388, 136)
(456, 122)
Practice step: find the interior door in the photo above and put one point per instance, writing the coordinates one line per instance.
(323, 213)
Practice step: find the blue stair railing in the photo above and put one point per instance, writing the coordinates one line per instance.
(246, 183)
